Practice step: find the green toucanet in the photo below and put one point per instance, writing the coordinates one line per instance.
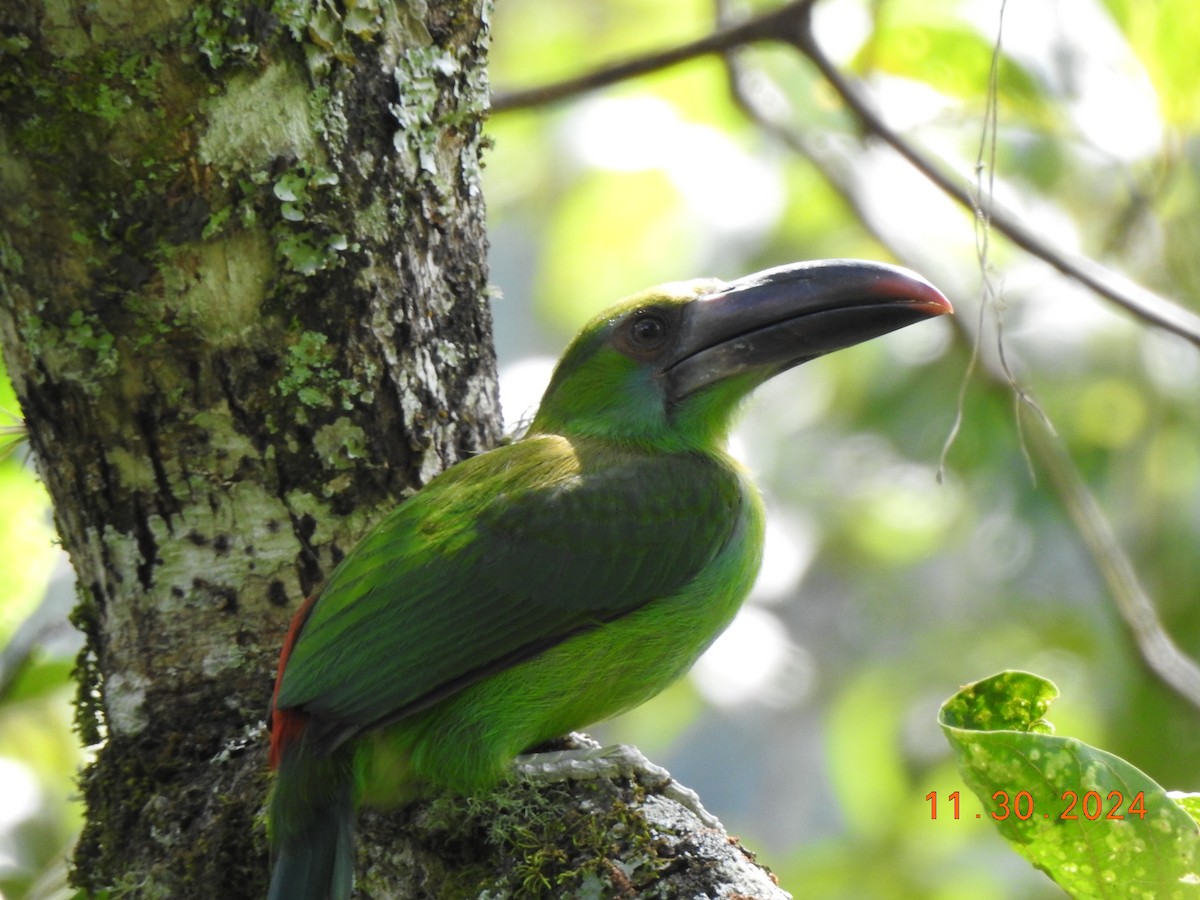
(560, 579)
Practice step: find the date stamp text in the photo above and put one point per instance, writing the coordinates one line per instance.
(1092, 805)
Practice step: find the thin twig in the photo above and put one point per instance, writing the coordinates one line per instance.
(1158, 649)
(766, 27)
(790, 24)
(1141, 302)
(982, 248)
(984, 201)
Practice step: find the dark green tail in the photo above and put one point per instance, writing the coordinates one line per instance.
(312, 825)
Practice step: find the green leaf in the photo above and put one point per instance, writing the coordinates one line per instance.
(1163, 36)
(1190, 803)
(1097, 825)
(953, 58)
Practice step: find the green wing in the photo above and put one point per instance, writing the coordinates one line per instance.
(501, 557)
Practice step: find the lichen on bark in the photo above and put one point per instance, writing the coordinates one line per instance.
(241, 325)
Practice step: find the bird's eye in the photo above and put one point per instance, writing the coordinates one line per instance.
(648, 330)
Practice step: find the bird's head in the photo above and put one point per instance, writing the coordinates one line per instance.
(668, 367)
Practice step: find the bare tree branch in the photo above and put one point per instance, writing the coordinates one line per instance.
(1140, 301)
(1160, 652)
(791, 24)
(766, 27)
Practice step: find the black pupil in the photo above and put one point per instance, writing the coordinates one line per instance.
(648, 330)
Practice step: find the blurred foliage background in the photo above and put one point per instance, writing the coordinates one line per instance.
(810, 727)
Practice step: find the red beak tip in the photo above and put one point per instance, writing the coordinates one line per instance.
(937, 306)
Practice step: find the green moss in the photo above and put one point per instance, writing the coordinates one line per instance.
(176, 792)
(216, 222)
(230, 33)
(88, 123)
(90, 722)
(327, 31)
(306, 239)
(572, 839)
(84, 340)
(118, 85)
(11, 261)
(310, 375)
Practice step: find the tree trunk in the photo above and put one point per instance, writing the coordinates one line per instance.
(244, 310)
(243, 304)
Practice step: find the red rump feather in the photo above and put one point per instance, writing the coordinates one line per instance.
(287, 724)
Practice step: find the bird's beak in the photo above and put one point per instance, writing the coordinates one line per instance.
(773, 320)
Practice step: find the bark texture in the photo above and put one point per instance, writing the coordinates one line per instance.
(243, 306)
